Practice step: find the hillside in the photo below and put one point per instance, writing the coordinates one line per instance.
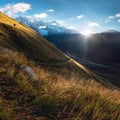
(18, 37)
(71, 44)
(102, 48)
(107, 46)
(51, 96)
(98, 52)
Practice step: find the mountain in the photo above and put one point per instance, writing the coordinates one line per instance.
(17, 37)
(106, 43)
(45, 28)
(98, 52)
(71, 44)
(102, 48)
(110, 31)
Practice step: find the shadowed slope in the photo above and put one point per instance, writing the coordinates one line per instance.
(20, 37)
(16, 36)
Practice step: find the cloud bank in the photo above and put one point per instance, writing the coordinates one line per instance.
(93, 24)
(40, 16)
(13, 9)
(80, 16)
(50, 10)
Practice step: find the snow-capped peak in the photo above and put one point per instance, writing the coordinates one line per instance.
(45, 28)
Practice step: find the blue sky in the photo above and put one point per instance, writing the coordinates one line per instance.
(82, 15)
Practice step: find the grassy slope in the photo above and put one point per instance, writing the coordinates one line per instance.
(15, 36)
(55, 98)
(23, 37)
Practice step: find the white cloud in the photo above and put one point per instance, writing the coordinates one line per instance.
(111, 17)
(93, 24)
(54, 23)
(40, 16)
(50, 10)
(117, 15)
(119, 20)
(37, 16)
(71, 27)
(80, 16)
(29, 17)
(13, 9)
(60, 22)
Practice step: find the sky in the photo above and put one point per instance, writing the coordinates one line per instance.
(84, 16)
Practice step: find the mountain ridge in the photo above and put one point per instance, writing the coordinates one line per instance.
(15, 36)
(98, 52)
(45, 28)
(110, 31)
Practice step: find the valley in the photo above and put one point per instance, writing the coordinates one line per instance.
(99, 52)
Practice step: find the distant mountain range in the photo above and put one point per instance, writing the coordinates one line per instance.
(98, 52)
(45, 28)
(19, 38)
(110, 31)
(103, 48)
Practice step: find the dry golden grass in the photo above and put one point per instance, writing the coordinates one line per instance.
(5, 19)
(57, 98)
(11, 28)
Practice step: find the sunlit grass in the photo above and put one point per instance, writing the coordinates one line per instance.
(56, 98)
(21, 37)
(5, 19)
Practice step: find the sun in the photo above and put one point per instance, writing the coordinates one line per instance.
(87, 32)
